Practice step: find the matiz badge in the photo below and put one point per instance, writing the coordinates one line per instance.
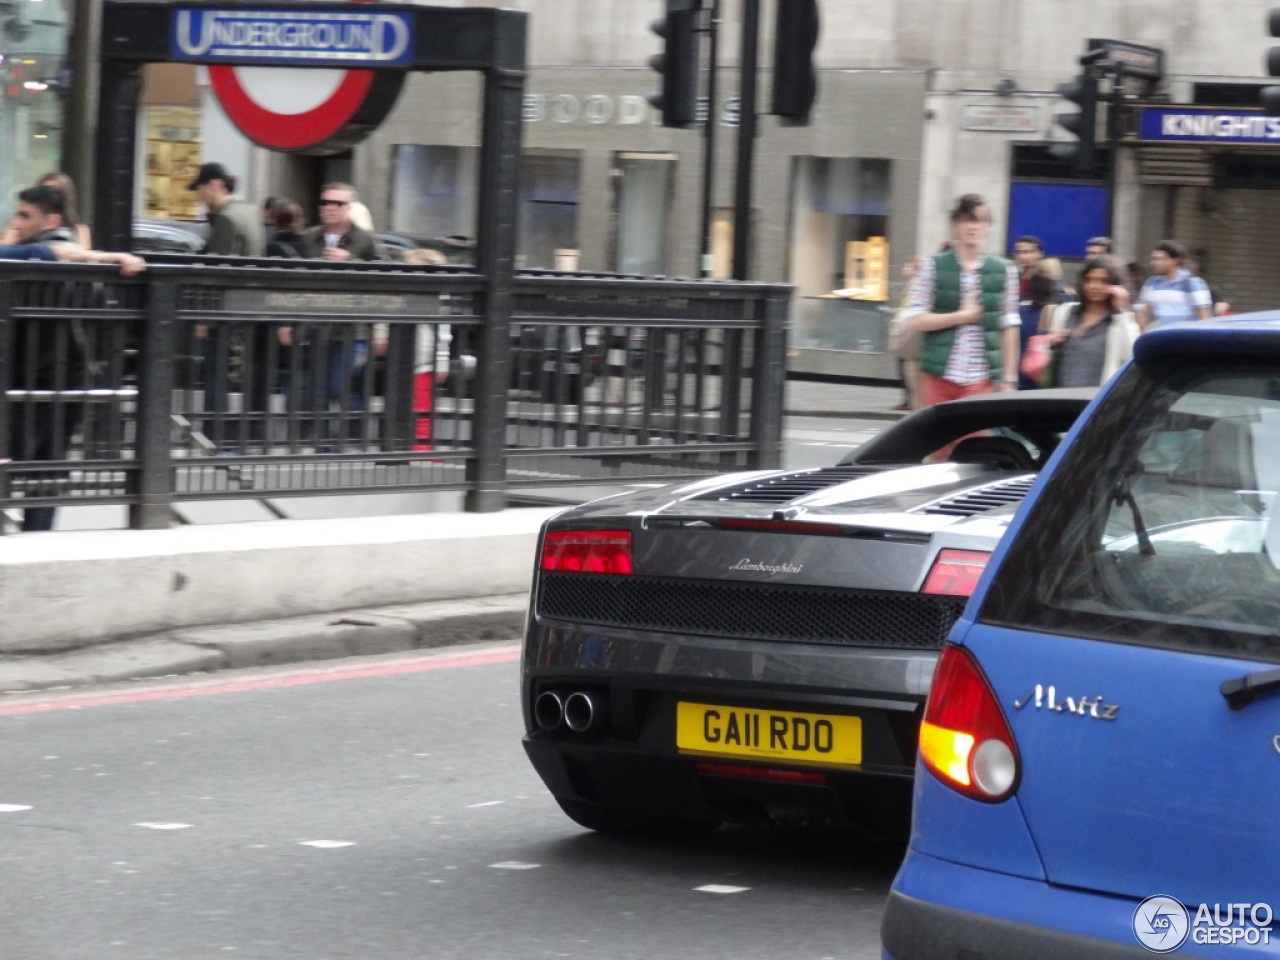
(1046, 698)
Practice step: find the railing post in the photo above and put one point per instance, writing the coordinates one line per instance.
(6, 381)
(153, 506)
(399, 413)
(769, 379)
(495, 258)
(119, 86)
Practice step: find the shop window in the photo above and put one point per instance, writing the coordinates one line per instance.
(434, 191)
(840, 251)
(840, 222)
(547, 218)
(434, 196)
(644, 183)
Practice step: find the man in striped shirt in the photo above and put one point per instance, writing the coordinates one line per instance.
(1172, 293)
(965, 304)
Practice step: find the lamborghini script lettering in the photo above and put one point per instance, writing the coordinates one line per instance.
(746, 563)
(1046, 698)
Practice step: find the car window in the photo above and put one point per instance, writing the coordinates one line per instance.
(1161, 525)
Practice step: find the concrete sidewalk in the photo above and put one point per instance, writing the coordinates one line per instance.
(80, 607)
(360, 632)
(83, 607)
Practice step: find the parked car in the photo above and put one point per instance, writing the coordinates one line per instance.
(168, 236)
(1100, 753)
(757, 647)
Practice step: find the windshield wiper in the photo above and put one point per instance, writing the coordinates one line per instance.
(1122, 493)
(1241, 692)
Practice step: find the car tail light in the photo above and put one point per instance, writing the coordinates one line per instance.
(965, 740)
(587, 551)
(955, 572)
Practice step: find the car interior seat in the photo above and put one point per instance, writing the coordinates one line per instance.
(1003, 453)
(1222, 458)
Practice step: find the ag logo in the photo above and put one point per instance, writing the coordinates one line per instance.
(1161, 924)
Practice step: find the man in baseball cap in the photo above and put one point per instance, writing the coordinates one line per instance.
(234, 227)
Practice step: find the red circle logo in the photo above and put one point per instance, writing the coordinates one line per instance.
(328, 123)
(291, 131)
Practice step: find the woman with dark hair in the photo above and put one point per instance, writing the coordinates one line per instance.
(70, 205)
(1092, 339)
(286, 239)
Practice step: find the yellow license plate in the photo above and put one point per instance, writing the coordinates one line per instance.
(768, 734)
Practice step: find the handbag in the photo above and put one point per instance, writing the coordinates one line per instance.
(1036, 357)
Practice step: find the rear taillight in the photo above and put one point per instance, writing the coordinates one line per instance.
(587, 551)
(955, 572)
(965, 740)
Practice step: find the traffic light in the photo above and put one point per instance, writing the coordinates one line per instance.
(1271, 95)
(795, 81)
(680, 31)
(1082, 90)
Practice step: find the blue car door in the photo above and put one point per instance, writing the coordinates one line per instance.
(1131, 635)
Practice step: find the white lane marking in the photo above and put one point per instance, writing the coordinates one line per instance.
(514, 865)
(326, 844)
(720, 888)
(12, 807)
(163, 826)
(487, 803)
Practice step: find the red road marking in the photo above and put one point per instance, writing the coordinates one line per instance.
(44, 703)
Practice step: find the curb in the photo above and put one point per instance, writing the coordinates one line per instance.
(360, 632)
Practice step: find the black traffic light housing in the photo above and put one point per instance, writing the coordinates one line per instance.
(1270, 96)
(681, 33)
(1082, 90)
(795, 80)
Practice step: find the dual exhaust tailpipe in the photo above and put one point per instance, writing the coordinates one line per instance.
(582, 711)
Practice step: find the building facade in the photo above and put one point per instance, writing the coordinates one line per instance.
(919, 101)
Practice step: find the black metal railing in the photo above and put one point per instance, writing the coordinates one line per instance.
(207, 379)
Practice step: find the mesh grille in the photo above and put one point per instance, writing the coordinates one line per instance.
(789, 486)
(974, 502)
(750, 610)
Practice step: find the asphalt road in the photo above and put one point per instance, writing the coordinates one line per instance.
(822, 441)
(370, 809)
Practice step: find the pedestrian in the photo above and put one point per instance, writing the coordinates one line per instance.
(235, 228)
(43, 359)
(1036, 290)
(41, 218)
(269, 217)
(70, 217)
(337, 237)
(1098, 247)
(965, 304)
(288, 224)
(1093, 338)
(904, 342)
(70, 253)
(1172, 293)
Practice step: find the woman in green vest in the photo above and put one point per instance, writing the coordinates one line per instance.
(964, 302)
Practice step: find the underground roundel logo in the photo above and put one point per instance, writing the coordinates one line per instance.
(314, 110)
(1161, 924)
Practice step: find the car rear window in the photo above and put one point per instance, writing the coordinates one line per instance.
(1158, 527)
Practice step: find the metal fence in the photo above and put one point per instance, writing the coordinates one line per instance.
(204, 379)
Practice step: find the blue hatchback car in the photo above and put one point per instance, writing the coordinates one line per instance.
(1099, 765)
